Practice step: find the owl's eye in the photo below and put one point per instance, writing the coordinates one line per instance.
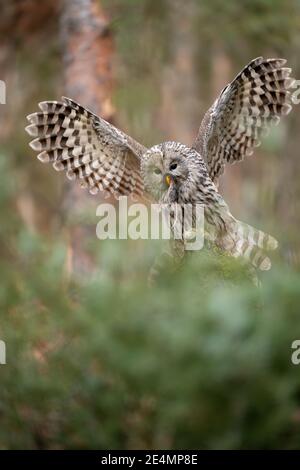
(157, 171)
(173, 166)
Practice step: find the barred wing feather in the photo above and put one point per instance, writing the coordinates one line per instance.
(243, 113)
(86, 147)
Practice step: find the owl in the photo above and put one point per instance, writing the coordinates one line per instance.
(103, 158)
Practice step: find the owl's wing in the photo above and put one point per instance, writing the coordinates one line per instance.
(243, 113)
(87, 147)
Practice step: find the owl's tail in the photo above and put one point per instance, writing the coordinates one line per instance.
(249, 243)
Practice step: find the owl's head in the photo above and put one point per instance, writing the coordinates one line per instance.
(165, 167)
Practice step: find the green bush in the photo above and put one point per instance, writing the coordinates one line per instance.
(202, 360)
(199, 361)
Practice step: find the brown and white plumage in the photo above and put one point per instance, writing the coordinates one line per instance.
(87, 147)
(243, 113)
(104, 158)
(192, 185)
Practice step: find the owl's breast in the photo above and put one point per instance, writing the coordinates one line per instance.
(170, 196)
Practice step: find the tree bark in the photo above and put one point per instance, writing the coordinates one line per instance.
(87, 52)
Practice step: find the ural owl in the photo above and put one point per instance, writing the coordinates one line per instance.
(103, 158)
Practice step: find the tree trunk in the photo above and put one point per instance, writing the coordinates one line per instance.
(87, 52)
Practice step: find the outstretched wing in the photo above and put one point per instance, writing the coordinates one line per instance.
(87, 147)
(243, 112)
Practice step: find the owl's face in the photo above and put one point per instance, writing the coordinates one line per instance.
(164, 168)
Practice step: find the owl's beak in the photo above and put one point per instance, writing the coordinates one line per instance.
(167, 179)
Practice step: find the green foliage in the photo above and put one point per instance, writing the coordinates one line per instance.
(253, 25)
(203, 359)
(200, 361)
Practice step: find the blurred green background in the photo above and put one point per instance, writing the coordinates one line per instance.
(96, 359)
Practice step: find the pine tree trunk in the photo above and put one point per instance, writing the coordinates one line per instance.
(87, 52)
